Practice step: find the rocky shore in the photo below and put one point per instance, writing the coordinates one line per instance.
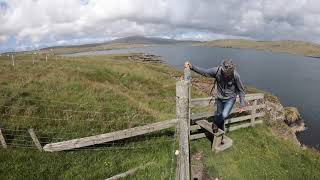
(147, 58)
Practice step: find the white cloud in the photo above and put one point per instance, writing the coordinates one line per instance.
(3, 38)
(47, 21)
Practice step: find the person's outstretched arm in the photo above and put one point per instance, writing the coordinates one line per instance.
(240, 89)
(205, 72)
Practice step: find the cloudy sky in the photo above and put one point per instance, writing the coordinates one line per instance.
(37, 23)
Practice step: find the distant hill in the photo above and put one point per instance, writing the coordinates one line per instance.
(148, 40)
(285, 46)
(126, 40)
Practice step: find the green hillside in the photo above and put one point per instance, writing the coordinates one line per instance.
(72, 98)
(288, 46)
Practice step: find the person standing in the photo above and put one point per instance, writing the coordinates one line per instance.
(229, 85)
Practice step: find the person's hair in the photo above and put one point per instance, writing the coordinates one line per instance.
(228, 67)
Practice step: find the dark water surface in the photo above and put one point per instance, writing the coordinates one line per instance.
(294, 79)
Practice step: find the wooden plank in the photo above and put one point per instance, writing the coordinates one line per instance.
(129, 172)
(242, 118)
(108, 137)
(228, 142)
(201, 116)
(245, 125)
(234, 110)
(208, 126)
(3, 141)
(215, 142)
(194, 127)
(35, 139)
(205, 101)
(253, 112)
(197, 136)
(182, 112)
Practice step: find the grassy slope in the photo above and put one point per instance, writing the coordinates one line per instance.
(128, 94)
(293, 47)
(257, 154)
(133, 94)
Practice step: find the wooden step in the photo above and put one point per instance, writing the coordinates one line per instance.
(216, 142)
(228, 142)
(208, 126)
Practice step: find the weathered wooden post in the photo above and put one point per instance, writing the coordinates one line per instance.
(35, 139)
(46, 58)
(187, 77)
(253, 112)
(182, 112)
(32, 59)
(3, 141)
(12, 58)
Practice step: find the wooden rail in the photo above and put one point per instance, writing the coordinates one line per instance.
(205, 101)
(108, 137)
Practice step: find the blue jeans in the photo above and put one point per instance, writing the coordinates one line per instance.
(223, 110)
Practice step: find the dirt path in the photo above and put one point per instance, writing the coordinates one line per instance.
(197, 167)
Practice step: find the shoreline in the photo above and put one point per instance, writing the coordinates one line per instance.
(204, 85)
(300, 48)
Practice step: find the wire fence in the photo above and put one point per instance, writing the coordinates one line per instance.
(156, 147)
(55, 124)
(24, 59)
(57, 121)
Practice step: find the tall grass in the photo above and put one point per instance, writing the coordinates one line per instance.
(73, 98)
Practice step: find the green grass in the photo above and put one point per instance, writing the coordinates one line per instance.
(107, 93)
(102, 94)
(257, 154)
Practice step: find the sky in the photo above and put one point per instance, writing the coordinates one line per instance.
(28, 24)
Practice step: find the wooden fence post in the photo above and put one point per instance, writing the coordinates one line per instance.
(3, 141)
(253, 113)
(187, 77)
(182, 108)
(32, 59)
(35, 139)
(46, 58)
(12, 57)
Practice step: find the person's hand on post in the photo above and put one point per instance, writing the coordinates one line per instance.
(187, 64)
(241, 110)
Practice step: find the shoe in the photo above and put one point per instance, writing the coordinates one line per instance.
(215, 128)
(222, 141)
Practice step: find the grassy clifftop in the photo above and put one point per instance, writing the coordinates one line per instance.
(293, 47)
(121, 94)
